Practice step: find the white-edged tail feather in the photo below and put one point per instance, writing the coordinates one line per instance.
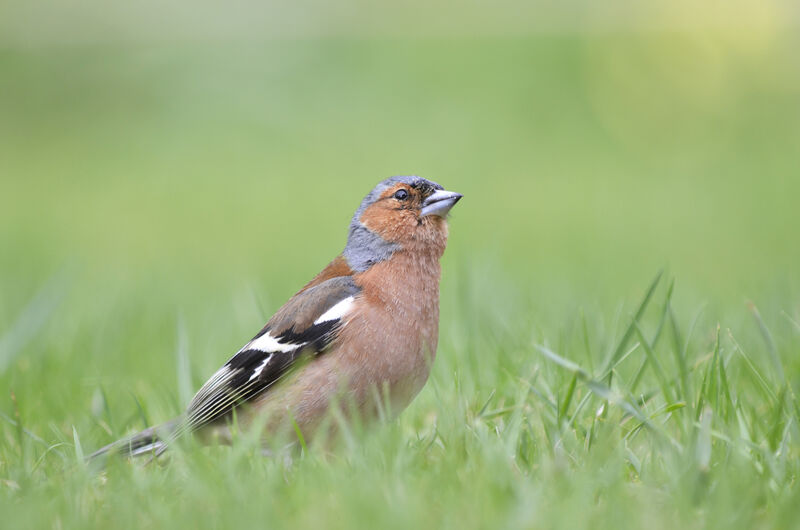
(152, 441)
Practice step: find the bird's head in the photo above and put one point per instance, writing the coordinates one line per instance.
(407, 213)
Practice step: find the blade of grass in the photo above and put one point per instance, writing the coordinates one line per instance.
(78, 448)
(564, 363)
(581, 404)
(598, 388)
(17, 425)
(587, 348)
(300, 437)
(685, 350)
(544, 399)
(568, 398)
(762, 382)
(772, 349)
(661, 323)
(486, 404)
(618, 351)
(680, 358)
(107, 411)
(612, 397)
(664, 409)
(792, 321)
(713, 395)
(31, 319)
(183, 364)
(705, 384)
(726, 391)
(46, 452)
(777, 421)
(622, 359)
(703, 447)
(142, 413)
(637, 378)
(657, 369)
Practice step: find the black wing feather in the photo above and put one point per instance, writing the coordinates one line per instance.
(253, 371)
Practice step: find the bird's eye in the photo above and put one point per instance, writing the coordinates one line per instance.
(401, 195)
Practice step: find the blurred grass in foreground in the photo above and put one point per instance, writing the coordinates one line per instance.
(167, 182)
(652, 418)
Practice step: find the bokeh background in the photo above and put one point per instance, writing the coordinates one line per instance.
(170, 172)
(201, 144)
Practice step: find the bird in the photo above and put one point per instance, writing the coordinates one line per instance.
(363, 332)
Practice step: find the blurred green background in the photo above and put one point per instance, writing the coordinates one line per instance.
(170, 173)
(593, 143)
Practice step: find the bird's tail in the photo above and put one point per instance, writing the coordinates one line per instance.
(152, 441)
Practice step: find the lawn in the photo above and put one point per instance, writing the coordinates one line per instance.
(620, 298)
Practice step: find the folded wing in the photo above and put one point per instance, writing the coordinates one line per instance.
(305, 326)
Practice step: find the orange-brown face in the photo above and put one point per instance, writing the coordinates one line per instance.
(400, 213)
(396, 216)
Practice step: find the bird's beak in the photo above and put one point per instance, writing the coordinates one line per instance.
(439, 203)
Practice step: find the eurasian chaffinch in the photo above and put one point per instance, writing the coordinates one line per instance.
(365, 328)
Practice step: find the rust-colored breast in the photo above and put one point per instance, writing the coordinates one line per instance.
(387, 342)
(390, 340)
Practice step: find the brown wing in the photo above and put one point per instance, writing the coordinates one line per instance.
(306, 325)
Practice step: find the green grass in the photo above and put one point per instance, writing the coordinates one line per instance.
(161, 197)
(654, 419)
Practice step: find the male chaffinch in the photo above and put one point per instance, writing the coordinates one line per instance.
(367, 324)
